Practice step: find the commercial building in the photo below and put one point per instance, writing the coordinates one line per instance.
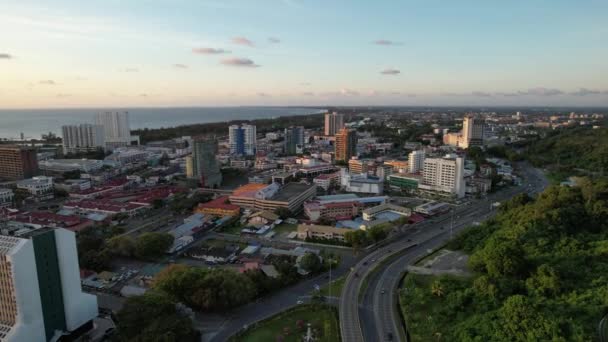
(40, 294)
(67, 165)
(399, 166)
(6, 197)
(361, 183)
(116, 129)
(41, 188)
(189, 167)
(270, 197)
(205, 166)
(124, 155)
(218, 207)
(326, 180)
(334, 122)
(415, 161)
(316, 210)
(346, 144)
(294, 140)
(17, 162)
(82, 138)
(321, 232)
(242, 139)
(444, 175)
(360, 165)
(472, 132)
(372, 213)
(404, 181)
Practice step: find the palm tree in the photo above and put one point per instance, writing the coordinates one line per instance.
(437, 289)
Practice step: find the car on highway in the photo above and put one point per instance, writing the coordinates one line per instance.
(383, 291)
(300, 302)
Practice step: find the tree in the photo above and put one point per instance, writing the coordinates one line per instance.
(283, 213)
(437, 289)
(545, 281)
(152, 245)
(311, 262)
(500, 258)
(153, 317)
(158, 203)
(522, 321)
(357, 239)
(122, 245)
(378, 233)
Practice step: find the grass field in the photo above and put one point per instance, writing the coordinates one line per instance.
(336, 287)
(323, 320)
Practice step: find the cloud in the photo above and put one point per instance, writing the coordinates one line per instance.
(508, 94)
(390, 71)
(242, 41)
(348, 92)
(239, 62)
(5, 56)
(61, 96)
(541, 91)
(585, 92)
(304, 83)
(308, 93)
(385, 42)
(481, 94)
(274, 40)
(261, 94)
(47, 82)
(180, 66)
(129, 70)
(209, 51)
(143, 95)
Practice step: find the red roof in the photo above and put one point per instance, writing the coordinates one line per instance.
(342, 204)
(219, 203)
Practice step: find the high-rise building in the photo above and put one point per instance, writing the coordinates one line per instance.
(17, 162)
(444, 175)
(82, 138)
(189, 167)
(346, 144)
(334, 122)
(472, 132)
(294, 140)
(415, 161)
(205, 166)
(116, 129)
(242, 139)
(40, 294)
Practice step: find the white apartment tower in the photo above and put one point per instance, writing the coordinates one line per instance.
(242, 139)
(444, 175)
(415, 161)
(82, 138)
(472, 132)
(116, 129)
(334, 122)
(40, 294)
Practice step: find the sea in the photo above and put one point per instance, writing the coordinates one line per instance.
(35, 122)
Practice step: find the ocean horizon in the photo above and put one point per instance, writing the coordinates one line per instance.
(35, 122)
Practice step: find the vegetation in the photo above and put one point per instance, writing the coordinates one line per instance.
(310, 262)
(283, 213)
(153, 317)
(292, 325)
(362, 238)
(152, 245)
(540, 274)
(335, 287)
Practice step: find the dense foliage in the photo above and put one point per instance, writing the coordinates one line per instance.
(153, 317)
(541, 273)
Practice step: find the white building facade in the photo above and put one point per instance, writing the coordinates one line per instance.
(117, 129)
(334, 122)
(444, 175)
(415, 161)
(242, 139)
(82, 138)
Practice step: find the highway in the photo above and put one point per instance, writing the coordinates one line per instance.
(379, 308)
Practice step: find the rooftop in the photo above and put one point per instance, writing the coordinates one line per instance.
(248, 190)
(219, 203)
(290, 191)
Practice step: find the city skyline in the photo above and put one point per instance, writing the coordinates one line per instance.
(222, 53)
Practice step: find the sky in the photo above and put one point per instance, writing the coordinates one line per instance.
(116, 53)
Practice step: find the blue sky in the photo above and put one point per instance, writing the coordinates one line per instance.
(295, 52)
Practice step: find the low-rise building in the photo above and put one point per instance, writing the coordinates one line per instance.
(370, 214)
(67, 165)
(273, 196)
(327, 180)
(321, 232)
(361, 183)
(315, 210)
(404, 181)
(41, 188)
(218, 207)
(263, 218)
(6, 198)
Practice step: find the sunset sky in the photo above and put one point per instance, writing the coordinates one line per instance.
(74, 53)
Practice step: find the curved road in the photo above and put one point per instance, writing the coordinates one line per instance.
(380, 310)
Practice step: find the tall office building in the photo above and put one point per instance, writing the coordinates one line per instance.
(40, 294)
(82, 138)
(116, 129)
(205, 166)
(444, 175)
(334, 122)
(415, 161)
(242, 139)
(17, 162)
(346, 144)
(472, 132)
(294, 140)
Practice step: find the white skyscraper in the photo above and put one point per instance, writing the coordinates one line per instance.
(242, 139)
(334, 122)
(472, 132)
(40, 294)
(444, 175)
(82, 138)
(116, 129)
(415, 161)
